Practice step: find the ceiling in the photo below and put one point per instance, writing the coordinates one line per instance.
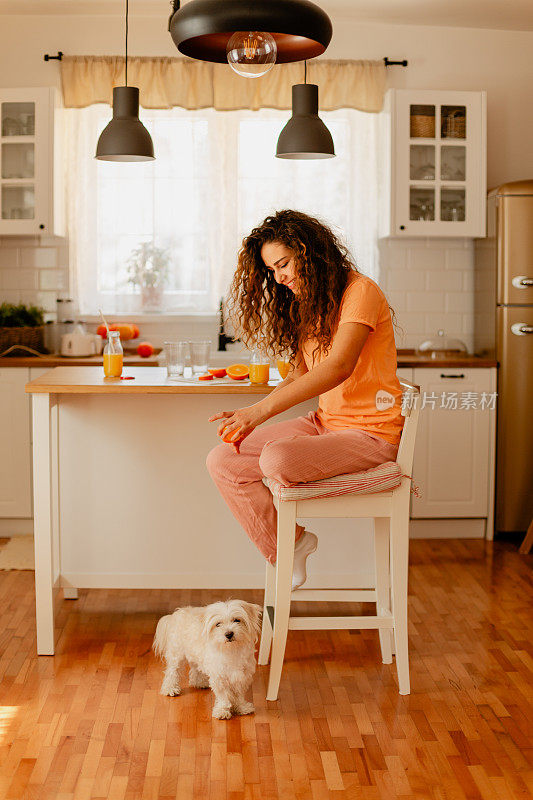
(496, 14)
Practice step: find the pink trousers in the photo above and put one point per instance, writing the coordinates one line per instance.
(294, 451)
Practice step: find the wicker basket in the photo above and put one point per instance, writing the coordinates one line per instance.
(454, 125)
(422, 125)
(31, 336)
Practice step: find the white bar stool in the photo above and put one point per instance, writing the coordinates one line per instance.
(381, 493)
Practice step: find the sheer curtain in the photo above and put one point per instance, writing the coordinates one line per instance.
(215, 176)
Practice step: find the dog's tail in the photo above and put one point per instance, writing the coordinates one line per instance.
(162, 631)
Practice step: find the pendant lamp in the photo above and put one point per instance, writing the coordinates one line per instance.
(305, 136)
(203, 28)
(125, 138)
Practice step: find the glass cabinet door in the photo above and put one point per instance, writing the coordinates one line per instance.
(441, 164)
(17, 160)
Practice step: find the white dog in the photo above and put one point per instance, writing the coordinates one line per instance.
(218, 641)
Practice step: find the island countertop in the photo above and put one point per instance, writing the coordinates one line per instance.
(146, 380)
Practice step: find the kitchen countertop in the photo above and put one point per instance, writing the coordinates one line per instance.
(147, 380)
(406, 358)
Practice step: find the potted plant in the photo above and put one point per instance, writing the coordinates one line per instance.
(21, 325)
(148, 268)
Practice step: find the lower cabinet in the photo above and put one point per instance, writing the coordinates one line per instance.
(15, 427)
(454, 451)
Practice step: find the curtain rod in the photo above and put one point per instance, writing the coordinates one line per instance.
(388, 63)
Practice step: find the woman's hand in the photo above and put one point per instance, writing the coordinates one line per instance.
(238, 424)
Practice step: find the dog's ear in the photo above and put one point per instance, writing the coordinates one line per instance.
(254, 615)
(210, 618)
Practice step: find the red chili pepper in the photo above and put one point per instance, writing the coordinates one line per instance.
(127, 377)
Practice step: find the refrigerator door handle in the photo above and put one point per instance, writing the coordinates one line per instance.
(521, 328)
(522, 281)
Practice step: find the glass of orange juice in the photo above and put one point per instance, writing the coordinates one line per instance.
(283, 365)
(259, 368)
(113, 356)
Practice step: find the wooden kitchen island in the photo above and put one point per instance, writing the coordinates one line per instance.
(123, 498)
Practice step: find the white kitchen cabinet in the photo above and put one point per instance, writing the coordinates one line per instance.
(454, 452)
(15, 470)
(31, 197)
(436, 166)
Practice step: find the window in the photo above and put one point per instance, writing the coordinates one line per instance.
(215, 176)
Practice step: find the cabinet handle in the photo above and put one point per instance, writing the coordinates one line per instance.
(41, 226)
(451, 376)
(402, 227)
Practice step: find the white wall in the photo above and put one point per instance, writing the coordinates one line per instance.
(439, 58)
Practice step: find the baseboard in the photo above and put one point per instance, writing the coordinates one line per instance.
(11, 526)
(447, 528)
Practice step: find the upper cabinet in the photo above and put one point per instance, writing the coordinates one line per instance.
(31, 198)
(437, 170)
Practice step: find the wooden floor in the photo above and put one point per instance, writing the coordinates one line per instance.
(90, 722)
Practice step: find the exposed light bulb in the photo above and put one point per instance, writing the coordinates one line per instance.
(251, 53)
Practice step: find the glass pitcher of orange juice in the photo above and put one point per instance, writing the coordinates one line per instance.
(113, 355)
(259, 368)
(283, 365)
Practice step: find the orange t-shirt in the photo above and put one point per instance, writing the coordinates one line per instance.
(352, 404)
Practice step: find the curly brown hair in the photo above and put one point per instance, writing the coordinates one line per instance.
(267, 315)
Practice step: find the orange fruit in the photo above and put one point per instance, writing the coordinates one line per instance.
(136, 331)
(125, 330)
(217, 373)
(145, 349)
(205, 377)
(237, 371)
(102, 331)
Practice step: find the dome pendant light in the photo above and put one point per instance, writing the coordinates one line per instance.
(125, 138)
(305, 136)
(203, 28)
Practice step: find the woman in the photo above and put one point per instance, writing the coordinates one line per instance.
(295, 289)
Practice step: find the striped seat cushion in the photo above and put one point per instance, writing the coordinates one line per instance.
(377, 479)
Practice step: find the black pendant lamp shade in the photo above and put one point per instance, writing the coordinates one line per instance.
(202, 28)
(125, 138)
(305, 135)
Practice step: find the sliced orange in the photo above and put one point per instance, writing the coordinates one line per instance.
(217, 373)
(205, 377)
(237, 371)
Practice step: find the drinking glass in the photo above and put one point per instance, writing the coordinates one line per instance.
(200, 356)
(176, 355)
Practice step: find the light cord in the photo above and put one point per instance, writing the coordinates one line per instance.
(126, 42)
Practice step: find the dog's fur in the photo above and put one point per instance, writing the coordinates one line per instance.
(218, 641)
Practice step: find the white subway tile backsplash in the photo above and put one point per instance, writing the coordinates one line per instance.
(53, 279)
(462, 259)
(9, 257)
(18, 279)
(434, 290)
(451, 323)
(444, 281)
(407, 280)
(460, 301)
(425, 301)
(427, 259)
(38, 257)
(47, 300)
(10, 296)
